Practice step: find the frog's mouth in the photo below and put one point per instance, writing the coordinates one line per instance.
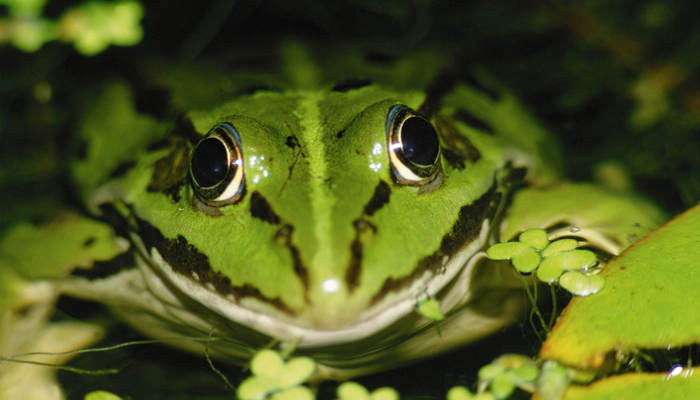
(449, 279)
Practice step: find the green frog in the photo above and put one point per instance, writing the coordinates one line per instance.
(315, 206)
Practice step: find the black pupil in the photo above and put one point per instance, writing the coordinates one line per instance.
(420, 141)
(209, 162)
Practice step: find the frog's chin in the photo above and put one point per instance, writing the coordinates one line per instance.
(453, 285)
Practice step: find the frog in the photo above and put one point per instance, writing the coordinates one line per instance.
(315, 206)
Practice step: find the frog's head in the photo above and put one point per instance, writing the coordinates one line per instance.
(324, 215)
(324, 210)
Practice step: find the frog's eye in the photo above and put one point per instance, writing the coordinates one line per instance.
(216, 166)
(413, 145)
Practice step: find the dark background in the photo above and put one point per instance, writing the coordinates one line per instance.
(615, 81)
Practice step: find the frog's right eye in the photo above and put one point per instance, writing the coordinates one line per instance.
(216, 166)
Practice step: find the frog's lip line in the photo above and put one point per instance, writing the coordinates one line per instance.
(380, 317)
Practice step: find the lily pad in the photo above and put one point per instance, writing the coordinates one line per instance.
(650, 300)
(638, 386)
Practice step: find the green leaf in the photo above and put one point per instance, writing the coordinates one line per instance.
(524, 374)
(352, 391)
(550, 269)
(267, 363)
(430, 308)
(526, 261)
(638, 386)
(553, 381)
(504, 251)
(255, 388)
(502, 386)
(101, 395)
(536, 238)
(296, 371)
(650, 300)
(459, 393)
(490, 371)
(384, 393)
(295, 393)
(580, 284)
(558, 246)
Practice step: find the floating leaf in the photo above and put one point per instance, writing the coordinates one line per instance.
(490, 371)
(559, 246)
(524, 373)
(550, 269)
(101, 395)
(580, 284)
(459, 393)
(524, 257)
(266, 363)
(430, 308)
(504, 251)
(502, 386)
(295, 393)
(296, 371)
(553, 381)
(536, 238)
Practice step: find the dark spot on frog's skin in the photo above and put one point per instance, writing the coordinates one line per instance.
(380, 197)
(184, 129)
(283, 236)
(351, 84)
(340, 134)
(105, 269)
(478, 84)
(440, 86)
(188, 261)
(463, 231)
(121, 169)
(89, 241)
(363, 229)
(476, 123)
(457, 146)
(159, 144)
(622, 268)
(292, 142)
(453, 159)
(261, 209)
(169, 172)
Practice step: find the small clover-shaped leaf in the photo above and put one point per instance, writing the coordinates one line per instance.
(430, 308)
(558, 246)
(536, 238)
(553, 266)
(553, 381)
(503, 374)
(490, 371)
(296, 371)
(550, 270)
(502, 386)
(459, 393)
(580, 284)
(101, 395)
(271, 374)
(523, 256)
(266, 362)
(524, 373)
(295, 393)
(355, 391)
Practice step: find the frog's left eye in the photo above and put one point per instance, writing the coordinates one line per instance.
(216, 166)
(413, 145)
